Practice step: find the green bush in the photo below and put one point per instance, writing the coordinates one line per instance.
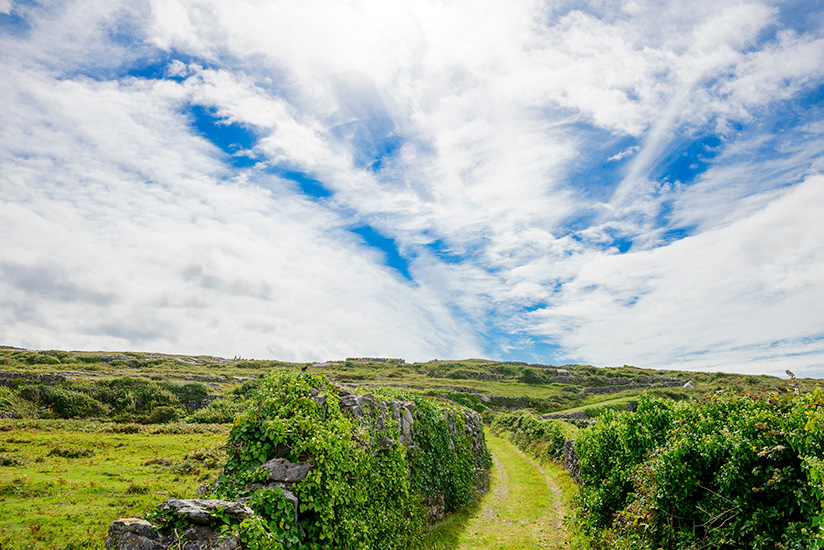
(163, 415)
(609, 451)
(248, 388)
(531, 375)
(467, 400)
(11, 402)
(219, 411)
(63, 402)
(34, 358)
(733, 471)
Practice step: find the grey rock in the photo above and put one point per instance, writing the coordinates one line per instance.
(322, 401)
(407, 422)
(132, 534)
(385, 442)
(200, 511)
(285, 471)
(201, 537)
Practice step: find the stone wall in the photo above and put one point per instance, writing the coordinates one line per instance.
(199, 526)
(8, 378)
(615, 389)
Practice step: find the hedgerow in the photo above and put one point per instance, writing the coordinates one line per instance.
(364, 490)
(542, 438)
(732, 471)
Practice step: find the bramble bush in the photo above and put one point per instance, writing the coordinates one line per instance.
(731, 471)
(365, 489)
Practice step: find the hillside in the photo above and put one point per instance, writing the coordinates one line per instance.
(476, 383)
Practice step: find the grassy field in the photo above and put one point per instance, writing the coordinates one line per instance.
(63, 482)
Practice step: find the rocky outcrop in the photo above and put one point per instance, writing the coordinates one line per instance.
(133, 534)
(17, 378)
(201, 512)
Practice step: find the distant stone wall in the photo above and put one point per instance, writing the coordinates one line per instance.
(614, 389)
(392, 360)
(8, 378)
(578, 415)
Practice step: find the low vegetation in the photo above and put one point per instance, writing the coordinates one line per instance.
(733, 470)
(89, 436)
(62, 481)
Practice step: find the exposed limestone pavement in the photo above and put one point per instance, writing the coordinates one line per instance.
(523, 508)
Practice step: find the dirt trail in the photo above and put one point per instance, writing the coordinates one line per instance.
(523, 508)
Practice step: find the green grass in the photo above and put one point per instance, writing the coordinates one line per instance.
(523, 508)
(69, 480)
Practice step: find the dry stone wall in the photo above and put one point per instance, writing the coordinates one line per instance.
(198, 518)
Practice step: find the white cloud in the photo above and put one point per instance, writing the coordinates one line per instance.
(505, 105)
(122, 230)
(721, 299)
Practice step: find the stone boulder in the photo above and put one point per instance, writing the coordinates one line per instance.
(284, 471)
(133, 534)
(198, 511)
(139, 534)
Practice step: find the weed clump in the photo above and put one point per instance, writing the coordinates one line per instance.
(11, 460)
(69, 452)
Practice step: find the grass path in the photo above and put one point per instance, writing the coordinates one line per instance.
(523, 508)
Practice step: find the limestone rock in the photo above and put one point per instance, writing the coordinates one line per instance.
(132, 534)
(285, 471)
(200, 537)
(200, 511)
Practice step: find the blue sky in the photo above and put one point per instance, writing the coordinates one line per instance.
(606, 183)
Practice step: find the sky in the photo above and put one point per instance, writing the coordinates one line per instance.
(600, 182)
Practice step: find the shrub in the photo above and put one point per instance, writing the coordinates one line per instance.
(163, 415)
(10, 402)
(70, 452)
(468, 400)
(34, 358)
(248, 388)
(609, 451)
(63, 402)
(11, 460)
(530, 375)
(733, 471)
(219, 411)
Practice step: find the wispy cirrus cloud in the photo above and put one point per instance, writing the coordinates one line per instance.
(539, 181)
